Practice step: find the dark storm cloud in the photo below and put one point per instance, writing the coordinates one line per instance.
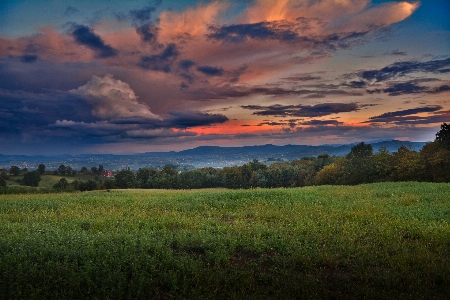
(186, 64)
(356, 84)
(414, 120)
(316, 91)
(285, 31)
(162, 61)
(56, 117)
(142, 15)
(401, 114)
(27, 58)
(403, 68)
(405, 88)
(332, 92)
(321, 122)
(302, 78)
(142, 20)
(409, 87)
(206, 94)
(441, 89)
(210, 71)
(225, 92)
(43, 76)
(82, 129)
(189, 118)
(279, 91)
(25, 111)
(411, 111)
(145, 122)
(318, 110)
(240, 32)
(175, 119)
(147, 32)
(273, 124)
(83, 35)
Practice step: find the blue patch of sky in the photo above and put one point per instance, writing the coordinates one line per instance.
(24, 17)
(425, 32)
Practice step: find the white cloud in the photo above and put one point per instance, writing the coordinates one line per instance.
(112, 99)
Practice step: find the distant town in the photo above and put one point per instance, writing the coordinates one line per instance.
(200, 157)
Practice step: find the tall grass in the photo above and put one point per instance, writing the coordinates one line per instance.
(369, 241)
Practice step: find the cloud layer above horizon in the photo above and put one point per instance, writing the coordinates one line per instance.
(124, 77)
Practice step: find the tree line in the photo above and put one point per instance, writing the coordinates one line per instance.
(361, 165)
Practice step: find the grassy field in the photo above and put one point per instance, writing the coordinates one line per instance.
(48, 181)
(386, 240)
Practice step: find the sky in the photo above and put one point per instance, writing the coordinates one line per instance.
(125, 77)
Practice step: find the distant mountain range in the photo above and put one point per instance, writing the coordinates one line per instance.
(204, 156)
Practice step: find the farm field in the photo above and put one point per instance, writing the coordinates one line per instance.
(48, 181)
(384, 240)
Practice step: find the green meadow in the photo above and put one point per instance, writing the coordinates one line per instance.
(47, 180)
(384, 240)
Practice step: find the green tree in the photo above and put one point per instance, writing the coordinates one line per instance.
(109, 184)
(406, 165)
(90, 185)
(142, 176)
(231, 177)
(443, 136)
(382, 163)
(169, 170)
(361, 150)
(255, 165)
(330, 174)
(62, 169)
(31, 178)
(254, 174)
(246, 173)
(307, 169)
(435, 162)
(358, 167)
(76, 185)
(194, 179)
(260, 179)
(62, 184)
(321, 161)
(274, 175)
(94, 170)
(2, 182)
(3, 174)
(41, 169)
(14, 170)
(69, 171)
(125, 179)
